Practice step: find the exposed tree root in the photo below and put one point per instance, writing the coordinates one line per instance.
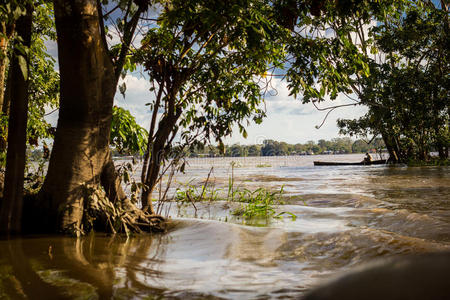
(100, 213)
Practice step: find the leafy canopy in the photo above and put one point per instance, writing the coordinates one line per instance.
(207, 60)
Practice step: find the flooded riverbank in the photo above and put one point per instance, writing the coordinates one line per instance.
(345, 216)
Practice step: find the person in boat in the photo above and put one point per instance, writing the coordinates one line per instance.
(368, 158)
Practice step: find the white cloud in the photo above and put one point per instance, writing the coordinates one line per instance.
(296, 129)
(51, 116)
(278, 100)
(52, 48)
(136, 96)
(138, 89)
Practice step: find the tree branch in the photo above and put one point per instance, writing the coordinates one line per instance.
(333, 107)
(111, 11)
(151, 131)
(102, 25)
(129, 30)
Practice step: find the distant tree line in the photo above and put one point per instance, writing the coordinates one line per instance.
(275, 148)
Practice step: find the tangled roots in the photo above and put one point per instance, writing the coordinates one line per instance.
(122, 216)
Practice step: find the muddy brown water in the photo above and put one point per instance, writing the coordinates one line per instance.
(346, 216)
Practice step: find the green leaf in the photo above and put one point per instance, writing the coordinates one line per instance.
(122, 89)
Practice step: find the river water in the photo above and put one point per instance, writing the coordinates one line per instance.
(346, 216)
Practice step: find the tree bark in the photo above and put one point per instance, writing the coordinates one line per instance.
(7, 32)
(81, 146)
(157, 154)
(393, 156)
(7, 95)
(11, 208)
(152, 176)
(3, 62)
(112, 183)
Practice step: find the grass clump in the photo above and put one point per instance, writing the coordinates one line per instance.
(433, 161)
(192, 193)
(263, 165)
(260, 203)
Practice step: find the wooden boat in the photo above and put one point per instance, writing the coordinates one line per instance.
(361, 163)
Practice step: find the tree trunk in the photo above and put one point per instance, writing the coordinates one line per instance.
(5, 110)
(389, 146)
(165, 128)
(81, 146)
(112, 183)
(81, 154)
(4, 131)
(11, 208)
(152, 178)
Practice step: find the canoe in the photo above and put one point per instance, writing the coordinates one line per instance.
(361, 163)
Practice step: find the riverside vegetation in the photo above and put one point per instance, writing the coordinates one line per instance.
(210, 66)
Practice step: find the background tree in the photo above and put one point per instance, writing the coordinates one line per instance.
(43, 90)
(235, 151)
(12, 202)
(332, 50)
(274, 148)
(37, 93)
(409, 90)
(382, 55)
(9, 13)
(43, 87)
(254, 150)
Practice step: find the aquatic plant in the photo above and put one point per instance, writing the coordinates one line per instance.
(231, 182)
(192, 192)
(263, 165)
(260, 203)
(432, 161)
